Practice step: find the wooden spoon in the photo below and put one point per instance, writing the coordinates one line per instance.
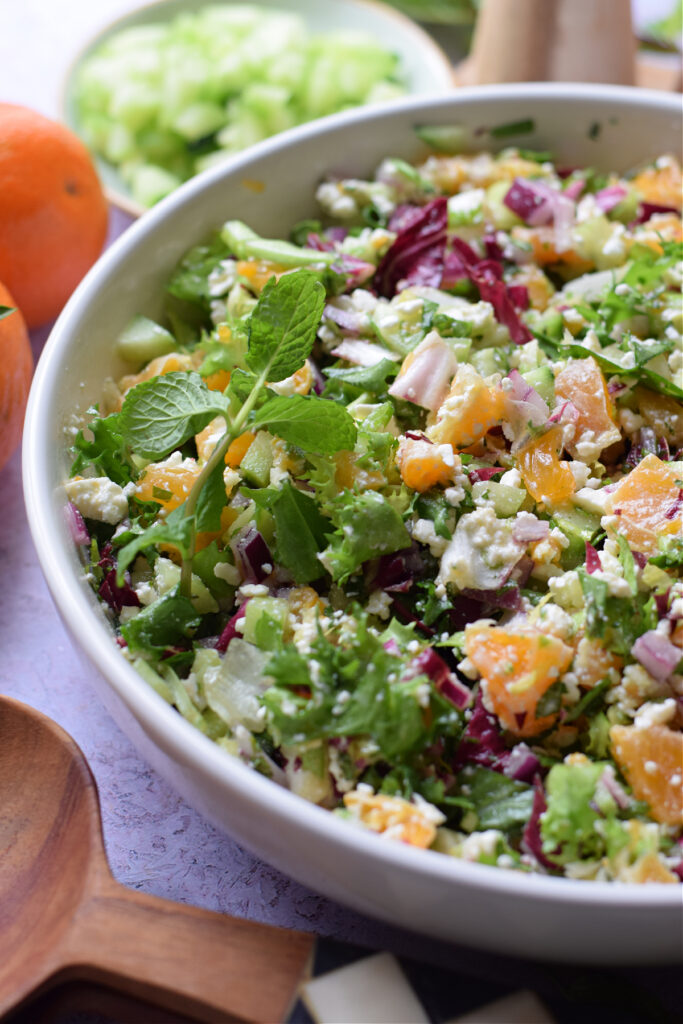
(64, 917)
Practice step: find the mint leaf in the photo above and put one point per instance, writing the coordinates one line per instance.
(169, 622)
(106, 450)
(283, 324)
(309, 422)
(241, 385)
(300, 529)
(160, 414)
(369, 378)
(367, 527)
(6, 310)
(204, 564)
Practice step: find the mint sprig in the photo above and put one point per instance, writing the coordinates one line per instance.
(314, 424)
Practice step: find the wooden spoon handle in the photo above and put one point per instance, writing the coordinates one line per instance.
(209, 966)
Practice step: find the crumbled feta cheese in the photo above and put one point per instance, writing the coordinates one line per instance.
(655, 713)
(424, 532)
(379, 603)
(98, 498)
(481, 553)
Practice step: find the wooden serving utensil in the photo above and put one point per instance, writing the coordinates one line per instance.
(64, 917)
(551, 40)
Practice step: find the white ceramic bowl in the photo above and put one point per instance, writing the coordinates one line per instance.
(425, 68)
(537, 916)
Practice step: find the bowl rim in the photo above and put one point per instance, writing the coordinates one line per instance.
(186, 743)
(117, 194)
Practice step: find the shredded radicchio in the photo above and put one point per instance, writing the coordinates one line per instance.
(253, 556)
(117, 597)
(428, 663)
(531, 839)
(76, 524)
(230, 630)
(592, 559)
(416, 255)
(647, 210)
(398, 571)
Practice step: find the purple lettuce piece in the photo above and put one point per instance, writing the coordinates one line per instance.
(528, 202)
(463, 610)
(481, 742)
(399, 570)
(428, 663)
(519, 296)
(645, 443)
(647, 210)
(492, 248)
(522, 764)
(487, 276)
(118, 597)
(592, 559)
(508, 597)
(405, 615)
(532, 842)
(416, 256)
(357, 271)
(484, 473)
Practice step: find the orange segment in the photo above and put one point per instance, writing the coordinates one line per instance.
(545, 477)
(423, 465)
(663, 413)
(471, 408)
(257, 273)
(239, 448)
(661, 184)
(581, 382)
(218, 381)
(651, 760)
(207, 439)
(644, 502)
(169, 363)
(518, 668)
(169, 485)
(543, 246)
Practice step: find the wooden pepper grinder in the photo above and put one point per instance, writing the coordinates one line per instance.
(552, 40)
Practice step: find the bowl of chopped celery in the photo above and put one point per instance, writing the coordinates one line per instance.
(175, 87)
(360, 492)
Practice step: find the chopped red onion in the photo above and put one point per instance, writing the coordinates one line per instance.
(484, 473)
(656, 654)
(522, 764)
(566, 412)
(230, 630)
(532, 841)
(391, 646)
(538, 203)
(530, 529)
(675, 508)
(608, 198)
(519, 294)
(574, 188)
(428, 377)
(76, 524)
(592, 559)
(350, 321)
(252, 554)
(507, 597)
(617, 793)
(118, 597)
(360, 352)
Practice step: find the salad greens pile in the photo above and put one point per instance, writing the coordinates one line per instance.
(392, 509)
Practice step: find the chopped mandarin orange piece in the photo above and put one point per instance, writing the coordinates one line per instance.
(651, 761)
(546, 478)
(218, 381)
(257, 273)
(207, 439)
(544, 249)
(646, 504)
(518, 669)
(239, 448)
(470, 410)
(593, 662)
(661, 184)
(663, 413)
(581, 382)
(167, 484)
(538, 286)
(423, 465)
(173, 361)
(392, 814)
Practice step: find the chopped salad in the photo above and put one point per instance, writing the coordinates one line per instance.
(392, 510)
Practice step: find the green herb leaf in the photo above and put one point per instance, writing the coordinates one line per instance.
(309, 422)
(502, 131)
(169, 622)
(367, 527)
(283, 325)
(106, 450)
(211, 501)
(176, 529)
(160, 414)
(369, 378)
(300, 529)
(568, 826)
(6, 310)
(497, 801)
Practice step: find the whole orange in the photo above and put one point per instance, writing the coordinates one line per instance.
(53, 213)
(16, 367)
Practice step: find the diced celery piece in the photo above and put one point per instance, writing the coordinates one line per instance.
(143, 340)
(265, 620)
(543, 381)
(489, 360)
(150, 183)
(258, 461)
(507, 500)
(578, 526)
(444, 138)
(502, 215)
(198, 120)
